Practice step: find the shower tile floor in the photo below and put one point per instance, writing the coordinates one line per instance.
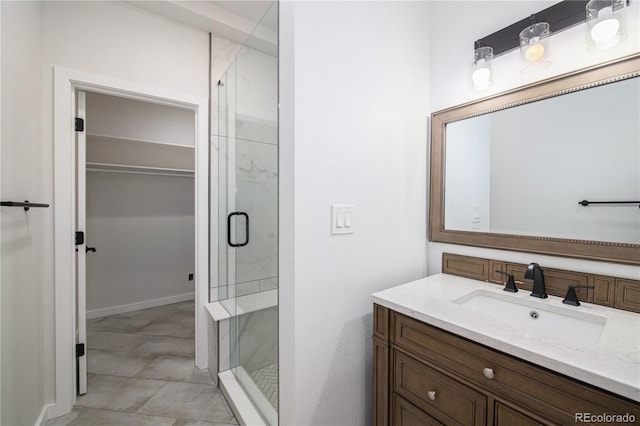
(266, 378)
(141, 372)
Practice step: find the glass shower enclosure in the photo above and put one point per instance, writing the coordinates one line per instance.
(245, 273)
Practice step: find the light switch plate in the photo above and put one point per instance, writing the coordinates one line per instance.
(341, 219)
(475, 216)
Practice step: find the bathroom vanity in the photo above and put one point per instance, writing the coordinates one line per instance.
(452, 350)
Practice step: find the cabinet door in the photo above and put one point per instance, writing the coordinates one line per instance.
(380, 382)
(507, 416)
(407, 414)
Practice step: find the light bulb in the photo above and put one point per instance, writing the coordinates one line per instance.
(534, 47)
(605, 31)
(481, 78)
(534, 52)
(481, 75)
(606, 23)
(607, 27)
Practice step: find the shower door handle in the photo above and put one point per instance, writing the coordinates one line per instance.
(246, 227)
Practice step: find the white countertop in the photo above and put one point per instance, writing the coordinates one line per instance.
(612, 364)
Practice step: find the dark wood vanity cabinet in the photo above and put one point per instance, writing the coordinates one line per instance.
(424, 375)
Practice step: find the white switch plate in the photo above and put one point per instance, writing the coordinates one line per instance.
(475, 216)
(341, 219)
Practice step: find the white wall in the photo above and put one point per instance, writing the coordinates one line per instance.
(23, 275)
(143, 229)
(142, 225)
(105, 38)
(450, 85)
(133, 119)
(119, 41)
(467, 173)
(353, 129)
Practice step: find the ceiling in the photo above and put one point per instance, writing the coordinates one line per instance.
(232, 19)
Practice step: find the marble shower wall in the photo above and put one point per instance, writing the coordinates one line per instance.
(244, 169)
(223, 53)
(257, 191)
(246, 136)
(257, 347)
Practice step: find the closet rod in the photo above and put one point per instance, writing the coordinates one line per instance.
(26, 204)
(130, 168)
(159, 172)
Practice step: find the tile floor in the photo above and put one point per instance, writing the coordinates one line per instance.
(266, 378)
(141, 372)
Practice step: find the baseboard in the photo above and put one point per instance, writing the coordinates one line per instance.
(121, 309)
(43, 418)
(55, 410)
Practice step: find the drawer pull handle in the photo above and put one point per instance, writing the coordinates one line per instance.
(488, 373)
(432, 395)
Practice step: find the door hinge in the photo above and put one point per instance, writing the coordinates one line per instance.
(79, 238)
(79, 350)
(79, 124)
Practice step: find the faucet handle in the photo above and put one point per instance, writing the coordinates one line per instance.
(511, 284)
(572, 298)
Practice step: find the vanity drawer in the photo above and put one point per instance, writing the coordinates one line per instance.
(406, 414)
(554, 396)
(444, 398)
(503, 415)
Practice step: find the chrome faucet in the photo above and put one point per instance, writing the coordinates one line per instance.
(535, 272)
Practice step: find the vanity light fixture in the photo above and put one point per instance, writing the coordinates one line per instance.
(534, 45)
(605, 23)
(481, 75)
(531, 34)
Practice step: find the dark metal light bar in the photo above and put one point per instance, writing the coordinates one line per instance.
(560, 16)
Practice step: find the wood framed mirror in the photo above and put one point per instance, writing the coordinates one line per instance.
(510, 171)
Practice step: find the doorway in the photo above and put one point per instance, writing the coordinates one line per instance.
(137, 215)
(67, 84)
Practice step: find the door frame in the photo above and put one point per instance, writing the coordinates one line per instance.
(66, 82)
(80, 326)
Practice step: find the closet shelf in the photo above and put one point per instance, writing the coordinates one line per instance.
(129, 168)
(135, 140)
(140, 156)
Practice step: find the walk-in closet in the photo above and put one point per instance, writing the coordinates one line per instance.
(139, 204)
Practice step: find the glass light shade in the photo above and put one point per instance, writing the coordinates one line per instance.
(606, 23)
(534, 46)
(481, 76)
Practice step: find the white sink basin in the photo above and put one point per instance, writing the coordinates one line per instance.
(535, 318)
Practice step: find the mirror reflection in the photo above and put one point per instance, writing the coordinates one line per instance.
(523, 170)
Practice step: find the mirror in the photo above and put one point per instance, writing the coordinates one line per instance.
(510, 171)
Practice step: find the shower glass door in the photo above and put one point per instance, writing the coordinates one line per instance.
(247, 215)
